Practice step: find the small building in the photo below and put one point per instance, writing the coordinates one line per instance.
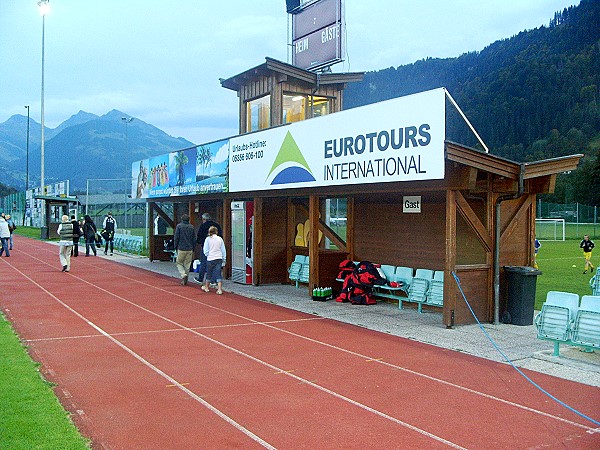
(475, 218)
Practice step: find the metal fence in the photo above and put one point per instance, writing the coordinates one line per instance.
(580, 219)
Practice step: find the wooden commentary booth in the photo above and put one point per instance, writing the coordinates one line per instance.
(472, 218)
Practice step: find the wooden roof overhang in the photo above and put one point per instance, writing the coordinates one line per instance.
(540, 176)
(284, 71)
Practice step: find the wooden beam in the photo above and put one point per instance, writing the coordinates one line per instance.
(450, 293)
(350, 214)
(291, 230)
(504, 185)
(332, 235)
(258, 241)
(473, 221)
(541, 185)
(511, 222)
(461, 177)
(163, 214)
(313, 245)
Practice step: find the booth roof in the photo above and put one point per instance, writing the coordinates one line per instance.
(274, 66)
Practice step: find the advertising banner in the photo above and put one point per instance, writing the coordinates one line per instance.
(396, 140)
(197, 170)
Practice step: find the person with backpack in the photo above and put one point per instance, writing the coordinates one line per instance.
(108, 233)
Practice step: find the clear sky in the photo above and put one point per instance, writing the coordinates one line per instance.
(160, 61)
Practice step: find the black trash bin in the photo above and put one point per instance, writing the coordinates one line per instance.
(44, 233)
(521, 282)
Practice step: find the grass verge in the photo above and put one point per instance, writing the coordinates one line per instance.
(31, 416)
(561, 263)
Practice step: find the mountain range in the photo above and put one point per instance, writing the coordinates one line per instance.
(85, 146)
(532, 96)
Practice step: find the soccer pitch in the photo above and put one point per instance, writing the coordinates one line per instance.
(561, 263)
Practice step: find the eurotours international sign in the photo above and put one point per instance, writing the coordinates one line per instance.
(396, 140)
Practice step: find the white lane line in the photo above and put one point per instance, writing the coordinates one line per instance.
(239, 352)
(394, 366)
(168, 330)
(335, 347)
(155, 369)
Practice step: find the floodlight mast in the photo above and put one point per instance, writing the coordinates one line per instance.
(44, 10)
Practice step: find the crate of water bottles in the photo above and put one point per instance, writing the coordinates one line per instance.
(322, 294)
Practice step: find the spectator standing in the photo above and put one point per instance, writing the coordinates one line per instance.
(110, 228)
(536, 245)
(65, 231)
(4, 236)
(184, 241)
(207, 222)
(76, 236)
(214, 249)
(587, 245)
(89, 234)
(12, 227)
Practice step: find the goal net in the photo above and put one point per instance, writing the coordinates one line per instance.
(550, 229)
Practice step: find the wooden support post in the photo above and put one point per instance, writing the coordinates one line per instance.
(313, 246)
(291, 230)
(350, 228)
(450, 292)
(257, 238)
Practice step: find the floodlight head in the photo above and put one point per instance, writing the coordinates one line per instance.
(44, 7)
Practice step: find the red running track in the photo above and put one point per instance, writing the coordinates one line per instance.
(143, 362)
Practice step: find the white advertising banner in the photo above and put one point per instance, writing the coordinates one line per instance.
(396, 140)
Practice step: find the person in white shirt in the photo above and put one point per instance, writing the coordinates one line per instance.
(214, 249)
(65, 231)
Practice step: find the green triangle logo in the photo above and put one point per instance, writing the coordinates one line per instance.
(289, 152)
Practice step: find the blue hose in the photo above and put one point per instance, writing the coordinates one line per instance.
(595, 422)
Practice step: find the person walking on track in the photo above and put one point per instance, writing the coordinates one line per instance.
(110, 228)
(214, 249)
(184, 241)
(65, 231)
(4, 236)
(89, 234)
(207, 222)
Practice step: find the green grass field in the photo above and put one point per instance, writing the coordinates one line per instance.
(556, 260)
(30, 416)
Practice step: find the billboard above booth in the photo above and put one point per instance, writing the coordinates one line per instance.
(396, 140)
(318, 34)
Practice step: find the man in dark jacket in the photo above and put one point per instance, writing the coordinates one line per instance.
(202, 233)
(184, 241)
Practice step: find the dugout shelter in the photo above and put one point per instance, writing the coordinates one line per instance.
(468, 212)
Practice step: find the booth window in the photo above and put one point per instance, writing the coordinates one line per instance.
(297, 107)
(294, 108)
(319, 106)
(258, 113)
(336, 214)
